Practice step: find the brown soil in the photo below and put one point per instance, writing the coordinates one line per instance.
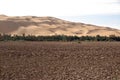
(59, 61)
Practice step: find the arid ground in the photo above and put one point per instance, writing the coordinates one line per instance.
(47, 26)
(59, 60)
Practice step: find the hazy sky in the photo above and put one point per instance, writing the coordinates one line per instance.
(112, 21)
(101, 12)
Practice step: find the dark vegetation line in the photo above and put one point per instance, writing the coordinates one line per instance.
(7, 37)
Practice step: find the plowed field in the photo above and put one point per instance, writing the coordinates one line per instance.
(59, 61)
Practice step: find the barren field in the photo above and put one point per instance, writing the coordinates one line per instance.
(59, 61)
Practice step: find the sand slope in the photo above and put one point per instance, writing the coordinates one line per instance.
(50, 26)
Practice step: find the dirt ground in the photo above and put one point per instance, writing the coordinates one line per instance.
(59, 61)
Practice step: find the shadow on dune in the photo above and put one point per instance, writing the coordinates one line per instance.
(10, 26)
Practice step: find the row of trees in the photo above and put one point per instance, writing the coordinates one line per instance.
(6, 37)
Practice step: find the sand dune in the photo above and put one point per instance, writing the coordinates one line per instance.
(32, 25)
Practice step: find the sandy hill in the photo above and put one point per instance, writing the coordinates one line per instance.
(50, 26)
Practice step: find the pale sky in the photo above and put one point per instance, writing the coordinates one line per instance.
(59, 7)
(55, 8)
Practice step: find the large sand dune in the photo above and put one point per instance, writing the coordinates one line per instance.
(32, 25)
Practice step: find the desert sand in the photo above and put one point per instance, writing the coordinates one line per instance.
(32, 25)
